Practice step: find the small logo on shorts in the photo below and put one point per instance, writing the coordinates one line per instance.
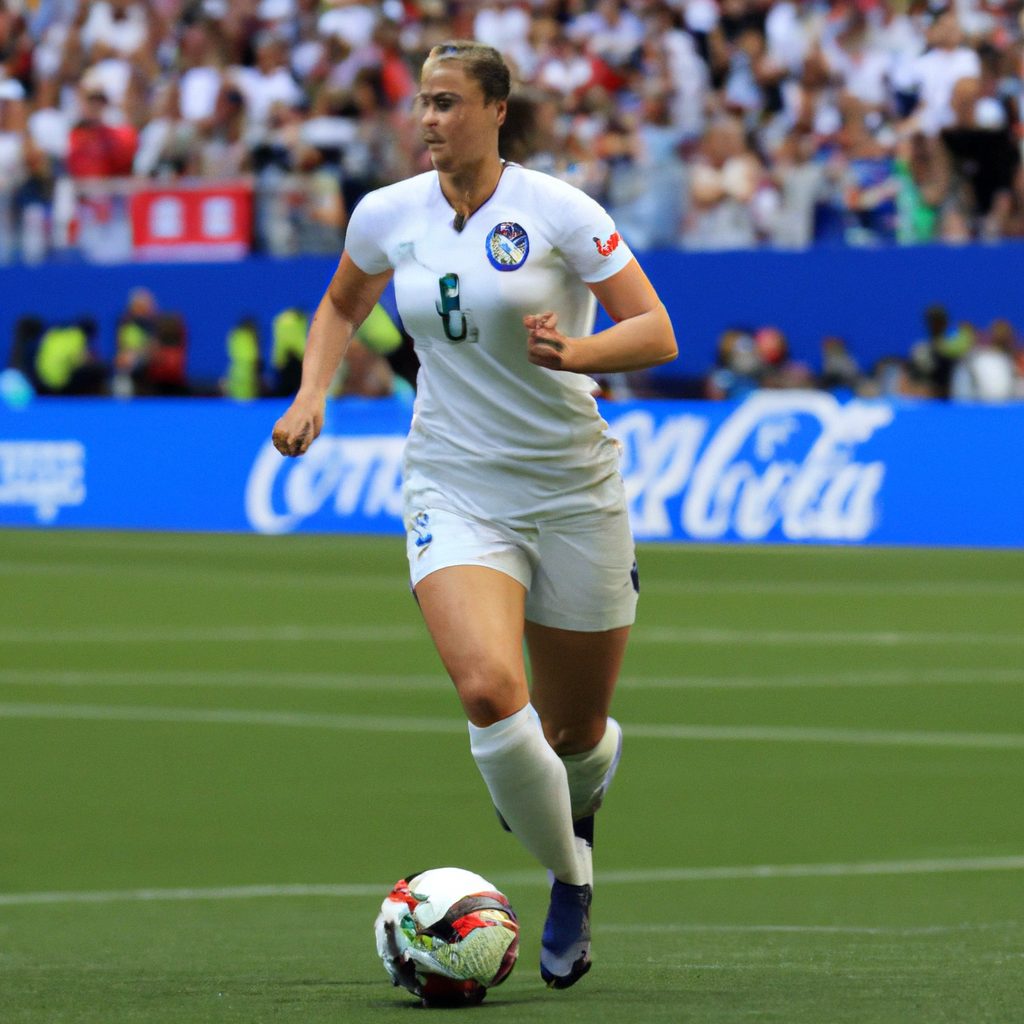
(508, 245)
(421, 526)
(634, 575)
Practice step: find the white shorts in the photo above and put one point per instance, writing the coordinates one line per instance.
(579, 571)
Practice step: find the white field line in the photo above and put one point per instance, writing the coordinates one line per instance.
(698, 635)
(282, 680)
(342, 681)
(372, 723)
(813, 588)
(536, 878)
(408, 632)
(800, 734)
(917, 677)
(824, 929)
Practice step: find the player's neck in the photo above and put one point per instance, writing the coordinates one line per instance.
(468, 188)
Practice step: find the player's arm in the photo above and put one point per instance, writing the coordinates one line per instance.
(641, 337)
(349, 298)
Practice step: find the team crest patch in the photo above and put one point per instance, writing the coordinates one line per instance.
(508, 245)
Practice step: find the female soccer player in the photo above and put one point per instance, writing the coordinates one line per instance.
(514, 505)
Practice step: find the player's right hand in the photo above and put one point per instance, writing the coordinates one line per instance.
(299, 427)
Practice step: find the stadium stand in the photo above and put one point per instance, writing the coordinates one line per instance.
(700, 124)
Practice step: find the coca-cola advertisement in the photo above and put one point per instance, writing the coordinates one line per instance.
(780, 467)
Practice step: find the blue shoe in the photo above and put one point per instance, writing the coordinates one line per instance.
(565, 944)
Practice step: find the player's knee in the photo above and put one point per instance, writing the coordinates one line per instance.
(488, 693)
(575, 737)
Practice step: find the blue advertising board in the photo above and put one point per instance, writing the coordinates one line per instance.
(783, 466)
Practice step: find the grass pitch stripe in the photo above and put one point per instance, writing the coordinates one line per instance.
(345, 681)
(161, 677)
(372, 723)
(531, 878)
(216, 634)
(232, 716)
(230, 576)
(402, 633)
(234, 892)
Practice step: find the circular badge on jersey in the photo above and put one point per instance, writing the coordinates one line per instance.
(508, 245)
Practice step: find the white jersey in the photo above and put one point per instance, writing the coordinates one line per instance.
(491, 432)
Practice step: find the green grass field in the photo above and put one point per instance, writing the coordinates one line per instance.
(819, 815)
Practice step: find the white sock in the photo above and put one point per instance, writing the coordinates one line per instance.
(590, 773)
(528, 785)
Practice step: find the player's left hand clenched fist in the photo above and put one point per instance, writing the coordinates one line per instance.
(545, 344)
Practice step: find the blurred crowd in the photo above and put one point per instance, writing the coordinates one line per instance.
(705, 124)
(952, 361)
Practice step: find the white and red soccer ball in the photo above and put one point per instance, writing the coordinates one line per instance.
(447, 935)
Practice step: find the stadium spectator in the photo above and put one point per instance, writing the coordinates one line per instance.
(136, 336)
(739, 368)
(988, 371)
(839, 369)
(96, 149)
(65, 363)
(932, 360)
(723, 181)
(780, 369)
(936, 72)
(165, 371)
(243, 382)
(289, 334)
(985, 157)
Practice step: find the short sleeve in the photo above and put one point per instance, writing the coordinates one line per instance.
(587, 238)
(364, 237)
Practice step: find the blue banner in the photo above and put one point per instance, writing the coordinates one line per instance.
(797, 466)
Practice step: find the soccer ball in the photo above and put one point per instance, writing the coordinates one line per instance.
(447, 935)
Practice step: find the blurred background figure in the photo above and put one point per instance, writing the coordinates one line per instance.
(839, 369)
(289, 329)
(243, 381)
(65, 363)
(739, 368)
(136, 337)
(988, 371)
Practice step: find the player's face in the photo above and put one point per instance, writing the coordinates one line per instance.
(455, 123)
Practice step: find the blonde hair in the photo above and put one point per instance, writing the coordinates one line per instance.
(484, 64)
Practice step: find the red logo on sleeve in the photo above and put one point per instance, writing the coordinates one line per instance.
(607, 248)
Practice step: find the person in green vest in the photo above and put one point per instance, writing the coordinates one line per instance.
(242, 381)
(289, 333)
(136, 339)
(65, 364)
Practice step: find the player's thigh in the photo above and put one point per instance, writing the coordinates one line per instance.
(581, 603)
(475, 617)
(574, 675)
(470, 578)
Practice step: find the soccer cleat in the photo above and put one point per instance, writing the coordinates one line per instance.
(565, 944)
